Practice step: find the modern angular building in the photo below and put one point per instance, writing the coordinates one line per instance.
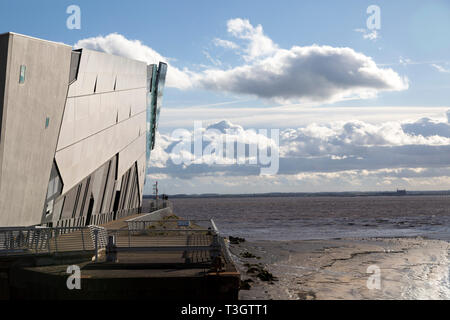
(76, 131)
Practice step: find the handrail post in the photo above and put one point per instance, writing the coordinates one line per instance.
(37, 234)
(27, 240)
(49, 236)
(96, 244)
(56, 242)
(5, 242)
(82, 239)
(10, 242)
(214, 226)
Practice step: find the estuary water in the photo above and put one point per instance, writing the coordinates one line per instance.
(307, 218)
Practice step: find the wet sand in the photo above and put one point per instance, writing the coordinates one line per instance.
(409, 268)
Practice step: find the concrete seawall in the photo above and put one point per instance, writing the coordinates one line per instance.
(50, 283)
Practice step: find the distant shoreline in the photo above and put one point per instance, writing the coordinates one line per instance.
(310, 194)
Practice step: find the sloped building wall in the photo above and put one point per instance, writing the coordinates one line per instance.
(72, 135)
(34, 89)
(102, 139)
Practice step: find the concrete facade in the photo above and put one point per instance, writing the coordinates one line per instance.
(28, 143)
(73, 133)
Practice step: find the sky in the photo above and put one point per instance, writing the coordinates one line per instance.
(333, 95)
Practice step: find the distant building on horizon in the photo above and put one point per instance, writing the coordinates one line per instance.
(76, 131)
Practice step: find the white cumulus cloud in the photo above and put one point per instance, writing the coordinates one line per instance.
(317, 74)
(307, 74)
(334, 146)
(225, 43)
(259, 45)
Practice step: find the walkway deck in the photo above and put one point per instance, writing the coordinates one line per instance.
(119, 223)
(152, 264)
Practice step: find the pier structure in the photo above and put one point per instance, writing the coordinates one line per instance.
(144, 256)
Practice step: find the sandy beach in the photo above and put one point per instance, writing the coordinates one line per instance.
(408, 268)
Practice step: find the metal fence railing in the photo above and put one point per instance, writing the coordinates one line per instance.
(44, 240)
(197, 239)
(102, 218)
(148, 222)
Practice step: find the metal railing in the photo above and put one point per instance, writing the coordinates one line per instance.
(147, 222)
(150, 205)
(102, 218)
(44, 240)
(72, 222)
(197, 239)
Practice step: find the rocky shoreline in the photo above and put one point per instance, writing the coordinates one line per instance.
(373, 268)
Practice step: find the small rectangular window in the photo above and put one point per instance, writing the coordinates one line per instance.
(23, 69)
